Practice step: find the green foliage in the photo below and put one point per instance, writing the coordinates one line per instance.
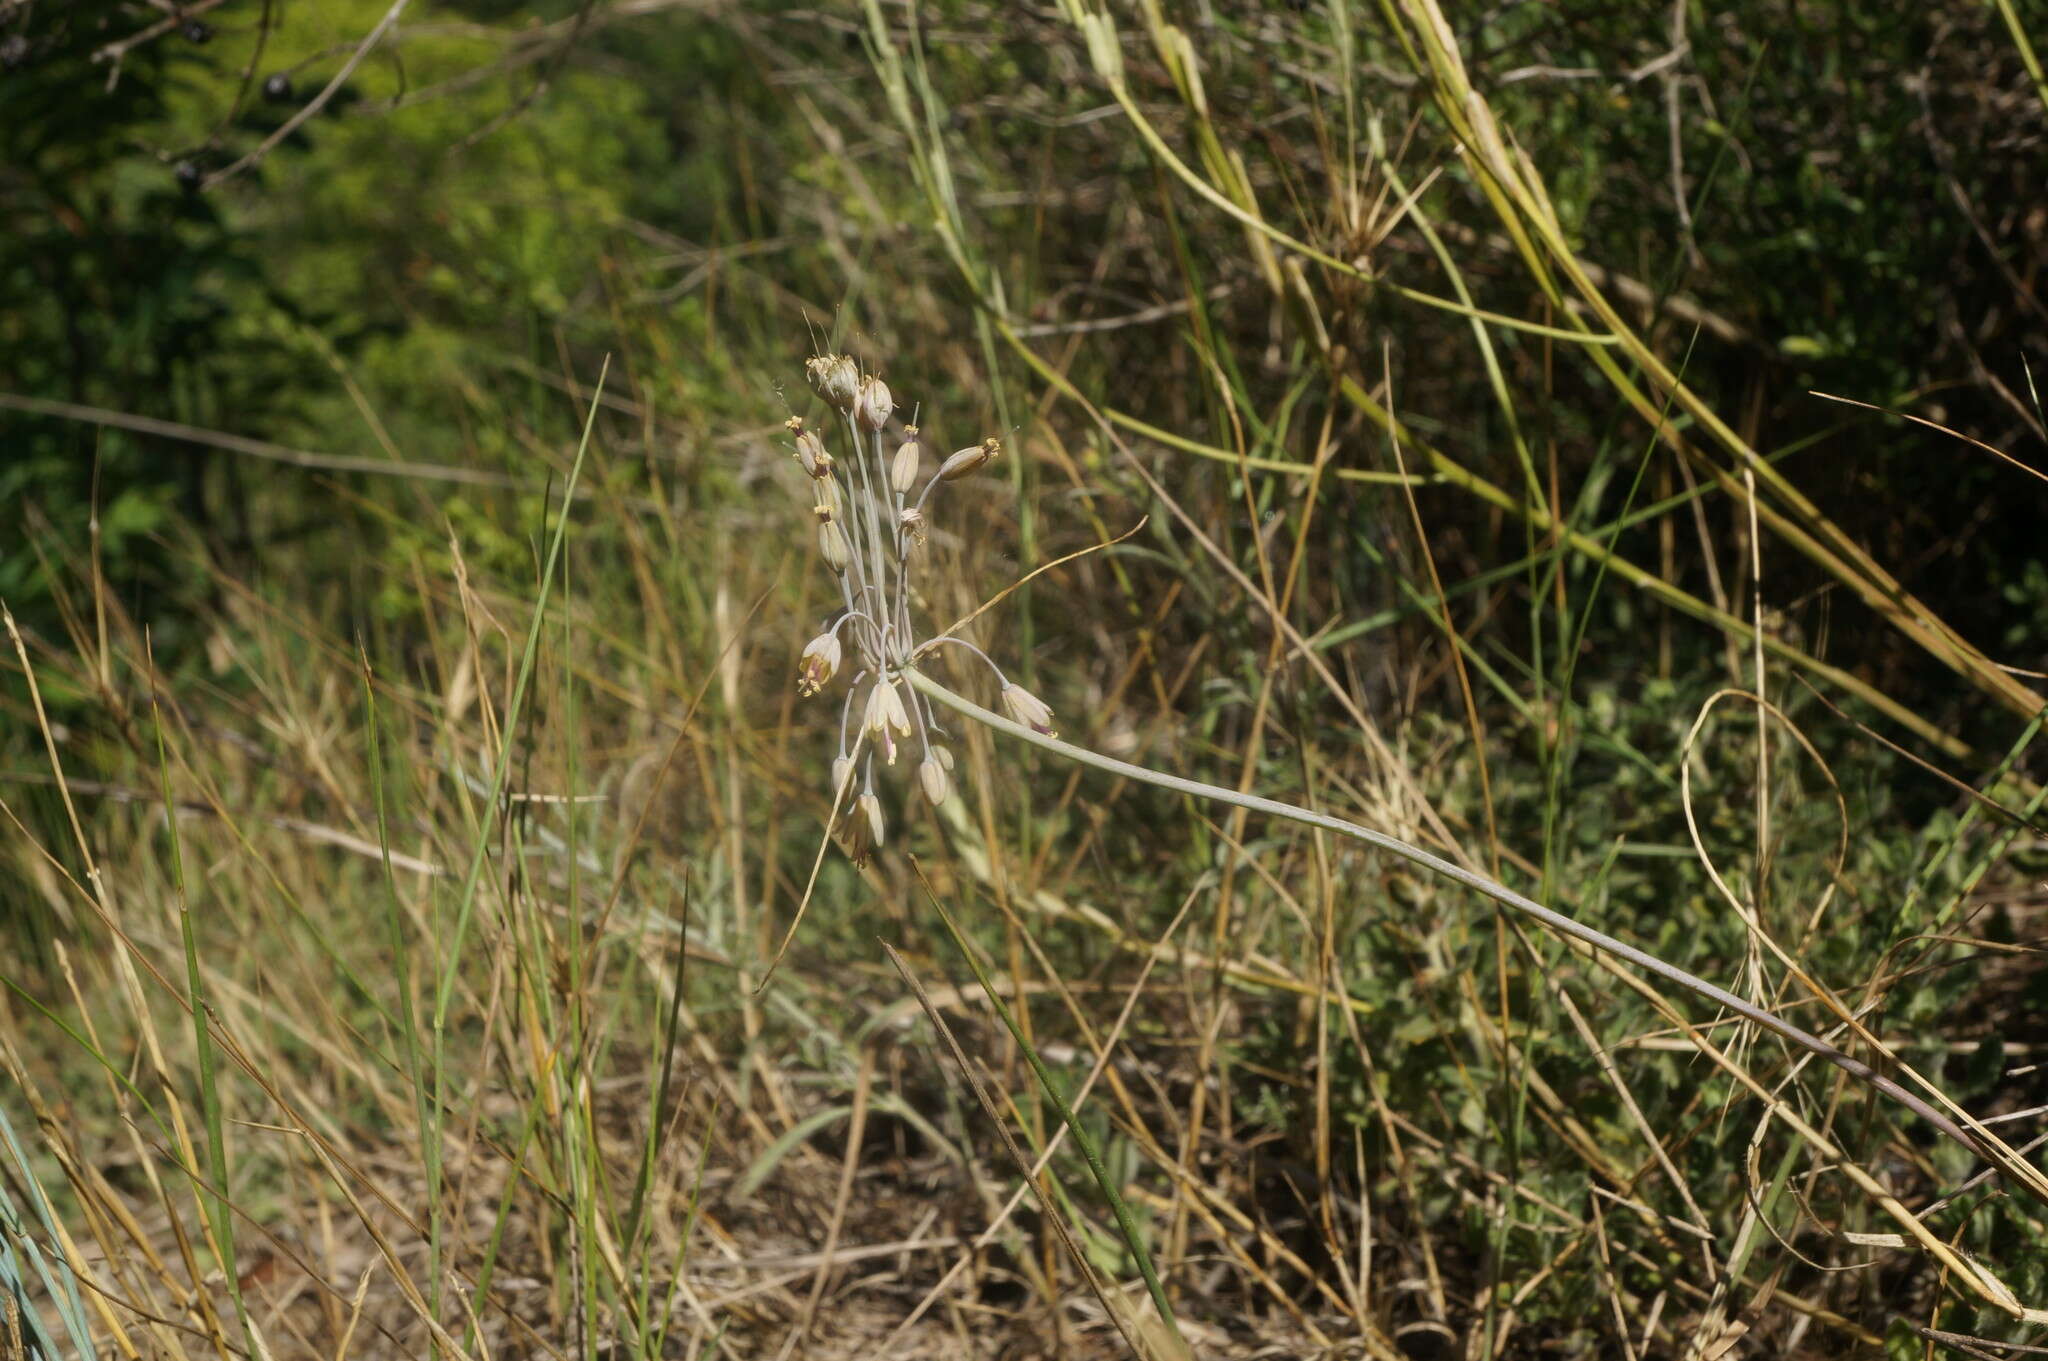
(438, 225)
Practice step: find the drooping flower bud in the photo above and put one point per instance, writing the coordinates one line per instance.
(842, 777)
(835, 377)
(832, 545)
(819, 661)
(971, 459)
(886, 719)
(903, 472)
(872, 404)
(931, 773)
(810, 452)
(1028, 709)
(865, 829)
(831, 500)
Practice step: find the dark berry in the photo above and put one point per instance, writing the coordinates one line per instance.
(277, 88)
(188, 175)
(196, 32)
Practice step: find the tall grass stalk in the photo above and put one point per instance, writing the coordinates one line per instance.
(501, 768)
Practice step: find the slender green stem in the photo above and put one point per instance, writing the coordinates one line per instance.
(214, 1199)
(1500, 893)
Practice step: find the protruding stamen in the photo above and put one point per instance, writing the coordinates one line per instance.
(820, 660)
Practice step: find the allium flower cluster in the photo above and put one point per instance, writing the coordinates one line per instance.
(870, 529)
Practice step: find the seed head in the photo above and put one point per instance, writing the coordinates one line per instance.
(1028, 709)
(835, 377)
(819, 661)
(886, 719)
(971, 459)
(872, 404)
(903, 471)
(931, 773)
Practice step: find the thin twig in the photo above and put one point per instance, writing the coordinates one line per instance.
(316, 103)
(255, 448)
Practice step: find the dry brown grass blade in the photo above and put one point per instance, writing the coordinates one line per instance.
(1118, 1313)
(849, 1166)
(1996, 453)
(1104, 1047)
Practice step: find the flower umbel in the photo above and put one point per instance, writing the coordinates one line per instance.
(874, 502)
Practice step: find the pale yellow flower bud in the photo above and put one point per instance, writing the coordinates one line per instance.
(835, 377)
(832, 545)
(831, 500)
(819, 661)
(872, 404)
(971, 459)
(1028, 709)
(903, 472)
(931, 773)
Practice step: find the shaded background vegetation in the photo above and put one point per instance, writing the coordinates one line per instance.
(397, 314)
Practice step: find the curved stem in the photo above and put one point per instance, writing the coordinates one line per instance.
(931, 643)
(1499, 892)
